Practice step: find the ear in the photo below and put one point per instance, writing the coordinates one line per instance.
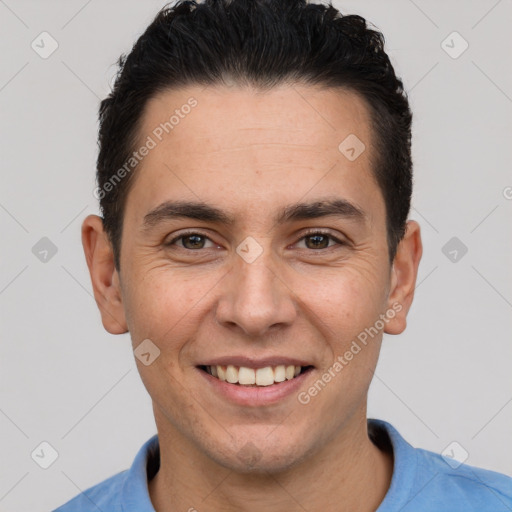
(104, 276)
(403, 277)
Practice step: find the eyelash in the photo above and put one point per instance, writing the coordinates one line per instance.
(305, 235)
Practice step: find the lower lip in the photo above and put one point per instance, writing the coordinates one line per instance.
(256, 396)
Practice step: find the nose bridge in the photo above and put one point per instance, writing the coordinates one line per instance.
(255, 299)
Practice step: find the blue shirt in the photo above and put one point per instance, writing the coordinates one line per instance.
(422, 481)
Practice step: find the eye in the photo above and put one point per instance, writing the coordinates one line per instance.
(194, 241)
(319, 240)
(191, 241)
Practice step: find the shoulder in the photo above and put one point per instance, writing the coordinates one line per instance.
(126, 490)
(478, 488)
(102, 496)
(427, 481)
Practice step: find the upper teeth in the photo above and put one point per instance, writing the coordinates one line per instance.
(247, 376)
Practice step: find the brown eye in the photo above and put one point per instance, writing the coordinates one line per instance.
(319, 240)
(191, 241)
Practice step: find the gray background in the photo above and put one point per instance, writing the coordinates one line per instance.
(64, 380)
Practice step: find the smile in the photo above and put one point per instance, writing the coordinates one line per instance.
(255, 377)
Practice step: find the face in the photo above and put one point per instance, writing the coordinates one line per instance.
(276, 256)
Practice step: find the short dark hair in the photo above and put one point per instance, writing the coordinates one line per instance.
(263, 43)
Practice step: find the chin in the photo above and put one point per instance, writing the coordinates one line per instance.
(256, 455)
(250, 460)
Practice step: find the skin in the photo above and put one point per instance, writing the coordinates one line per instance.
(251, 153)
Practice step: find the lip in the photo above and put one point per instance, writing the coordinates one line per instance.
(254, 363)
(260, 396)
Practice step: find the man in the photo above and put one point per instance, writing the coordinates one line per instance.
(254, 177)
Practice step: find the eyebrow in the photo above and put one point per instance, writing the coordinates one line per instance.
(201, 211)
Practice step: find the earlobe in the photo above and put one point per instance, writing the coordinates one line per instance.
(403, 278)
(104, 276)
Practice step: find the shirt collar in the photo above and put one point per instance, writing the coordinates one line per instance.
(405, 463)
(135, 493)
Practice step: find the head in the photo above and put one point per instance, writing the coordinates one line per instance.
(254, 177)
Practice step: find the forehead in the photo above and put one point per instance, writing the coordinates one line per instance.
(244, 144)
(305, 116)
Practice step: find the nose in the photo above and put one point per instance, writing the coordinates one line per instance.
(256, 298)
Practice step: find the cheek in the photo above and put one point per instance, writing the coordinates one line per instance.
(342, 301)
(348, 308)
(162, 303)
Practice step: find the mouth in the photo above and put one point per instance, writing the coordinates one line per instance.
(255, 377)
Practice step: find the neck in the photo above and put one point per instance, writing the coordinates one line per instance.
(349, 473)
